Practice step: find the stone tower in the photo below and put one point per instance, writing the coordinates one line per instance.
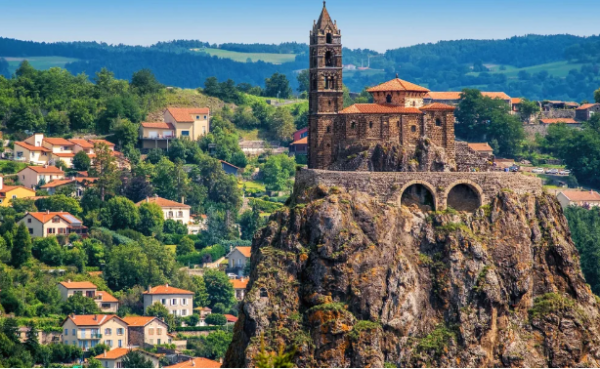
(325, 93)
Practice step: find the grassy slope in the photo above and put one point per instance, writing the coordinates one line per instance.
(557, 69)
(243, 57)
(38, 62)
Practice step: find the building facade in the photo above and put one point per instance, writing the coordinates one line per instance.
(147, 330)
(87, 331)
(44, 224)
(34, 176)
(179, 302)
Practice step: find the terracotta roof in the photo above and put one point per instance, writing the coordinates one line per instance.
(231, 318)
(71, 285)
(455, 95)
(58, 182)
(239, 284)
(197, 362)
(45, 217)
(379, 109)
(95, 274)
(184, 115)
(110, 144)
(64, 154)
(44, 169)
(113, 354)
(438, 107)
(6, 189)
(81, 142)
(575, 195)
(58, 141)
(586, 106)
(167, 290)
(138, 321)
(31, 147)
(302, 141)
(480, 146)
(397, 85)
(164, 203)
(92, 319)
(516, 100)
(245, 250)
(161, 125)
(83, 173)
(231, 165)
(106, 297)
(559, 120)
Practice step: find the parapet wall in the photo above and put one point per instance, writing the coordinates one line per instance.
(389, 186)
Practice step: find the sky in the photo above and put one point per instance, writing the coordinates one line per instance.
(374, 24)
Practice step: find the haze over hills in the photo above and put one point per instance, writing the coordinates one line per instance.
(537, 67)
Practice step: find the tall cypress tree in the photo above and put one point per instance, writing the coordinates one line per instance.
(21, 250)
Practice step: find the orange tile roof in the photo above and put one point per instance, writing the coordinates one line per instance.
(45, 169)
(197, 362)
(245, 250)
(559, 120)
(6, 189)
(64, 154)
(231, 318)
(106, 297)
(516, 100)
(45, 217)
(58, 182)
(95, 274)
(161, 125)
(138, 321)
(586, 106)
(437, 107)
(397, 85)
(163, 203)
(455, 95)
(302, 141)
(81, 142)
(184, 115)
(379, 109)
(92, 319)
(114, 354)
(575, 195)
(167, 290)
(31, 147)
(239, 284)
(110, 144)
(480, 146)
(58, 141)
(72, 285)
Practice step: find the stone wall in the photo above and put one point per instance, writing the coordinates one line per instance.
(532, 129)
(559, 113)
(389, 187)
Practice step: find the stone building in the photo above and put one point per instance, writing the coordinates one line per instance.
(586, 111)
(397, 115)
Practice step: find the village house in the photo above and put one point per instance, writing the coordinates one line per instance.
(105, 301)
(8, 193)
(197, 362)
(203, 312)
(191, 123)
(44, 338)
(299, 146)
(174, 210)
(80, 144)
(482, 148)
(559, 105)
(156, 135)
(586, 199)
(34, 176)
(230, 319)
(147, 330)
(453, 97)
(239, 288)
(586, 111)
(60, 149)
(31, 150)
(570, 122)
(230, 168)
(77, 184)
(87, 331)
(179, 302)
(44, 224)
(237, 258)
(113, 358)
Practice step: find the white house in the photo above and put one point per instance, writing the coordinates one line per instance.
(105, 301)
(44, 224)
(32, 176)
(174, 210)
(578, 198)
(179, 302)
(238, 257)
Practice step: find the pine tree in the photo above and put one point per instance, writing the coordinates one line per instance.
(21, 250)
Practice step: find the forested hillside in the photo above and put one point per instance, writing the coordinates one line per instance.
(521, 66)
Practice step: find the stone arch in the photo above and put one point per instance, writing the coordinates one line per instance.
(464, 195)
(418, 192)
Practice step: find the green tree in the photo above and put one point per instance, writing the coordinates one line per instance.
(48, 251)
(4, 251)
(10, 328)
(157, 309)
(277, 170)
(59, 203)
(170, 180)
(94, 363)
(81, 161)
(105, 169)
(281, 124)
(528, 108)
(185, 246)
(57, 123)
(120, 213)
(126, 266)
(79, 304)
(125, 132)
(200, 294)
(175, 227)
(597, 96)
(218, 287)
(23, 205)
(215, 319)
(303, 81)
(250, 221)
(80, 117)
(31, 342)
(144, 82)
(21, 249)
(151, 218)
(134, 359)
(278, 86)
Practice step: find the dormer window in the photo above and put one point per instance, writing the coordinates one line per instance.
(197, 117)
(55, 220)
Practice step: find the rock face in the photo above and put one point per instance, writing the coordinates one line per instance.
(352, 282)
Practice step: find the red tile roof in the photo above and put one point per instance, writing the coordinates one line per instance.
(138, 321)
(78, 285)
(106, 297)
(81, 142)
(6, 189)
(559, 120)
(46, 217)
(455, 95)
(516, 100)
(480, 146)
(231, 318)
(160, 125)
(45, 169)
(239, 284)
(167, 290)
(245, 250)
(92, 319)
(164, 203)
(113, 354)
(58, 182)
(64, 154)
(302, 141)
(586, 106)
(198, 362)
(108, 143)
(397, 85)
(58, 141)
(379, 109)
(575, 195)
(184, 115)
(31, 147)
(437, 107)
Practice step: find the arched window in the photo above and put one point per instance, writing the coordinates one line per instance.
(327, 83)
(388, 99)
(438, 122)
(329, 59)
(370, 124)
(328, 129)
(329, 38)
(413, 128)
(353, 125)
(332, 83)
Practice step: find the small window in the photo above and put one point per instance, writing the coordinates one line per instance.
(263, 292)
(329, 102)
(185, 133)
(438, 122)
(328, 129)
(329, 38)
(197, 117)
(370, 125)
(353, 125)
(28, 220)
(14, 196)
(413, 128)
(56, 220)
(159, 331)
(388, 99)
(151, 331)
(414, 103)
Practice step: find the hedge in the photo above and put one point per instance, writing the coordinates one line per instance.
(265, 206)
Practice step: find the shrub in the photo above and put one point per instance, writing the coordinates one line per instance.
(215, 319)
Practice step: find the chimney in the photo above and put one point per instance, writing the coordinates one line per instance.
(104, 353)
(149, 288)
(68, 281)
(167, 285)
(182, 200)
(193, 363)
(47, 211)
(147, 199)
(95, 316)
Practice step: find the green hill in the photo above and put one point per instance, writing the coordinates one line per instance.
(254, 57)
(557, 69)
(38, 62)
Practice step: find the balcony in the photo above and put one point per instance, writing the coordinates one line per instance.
(93, 336)
(159, 137)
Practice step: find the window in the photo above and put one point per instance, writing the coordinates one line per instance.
(174, 302)
(163, 301)
(51, 230)
(14, 196)
(158, 341)
(150, 331)
(82, 332)
(263, 292)
(120, 343)
(183, 302)
(413, 128)
(66, 331)
(73, 332)
(329, 59)
(414, 103)
(329, 38)
(29, 220)
(180, 214)
(56, 220)
(30, 230)
(197, 117)
(183, 312)
(370, 124)
(170, 214)
(438, 122)
(61, 231)
(328, 129)
(388, 99)
(159, 331)
(108, 332)
(119, 333)
(185, 133)
(109, 343)
(353, 125)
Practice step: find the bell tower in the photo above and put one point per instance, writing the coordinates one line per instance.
(325, 92)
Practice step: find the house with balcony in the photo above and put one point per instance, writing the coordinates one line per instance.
(60, 149)
(31, 150)
(148, 330)
(192, 123)
(177, 211)
(44, 224)
(179, 302)
(34, 176)
(87, 331)
(156, 135)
